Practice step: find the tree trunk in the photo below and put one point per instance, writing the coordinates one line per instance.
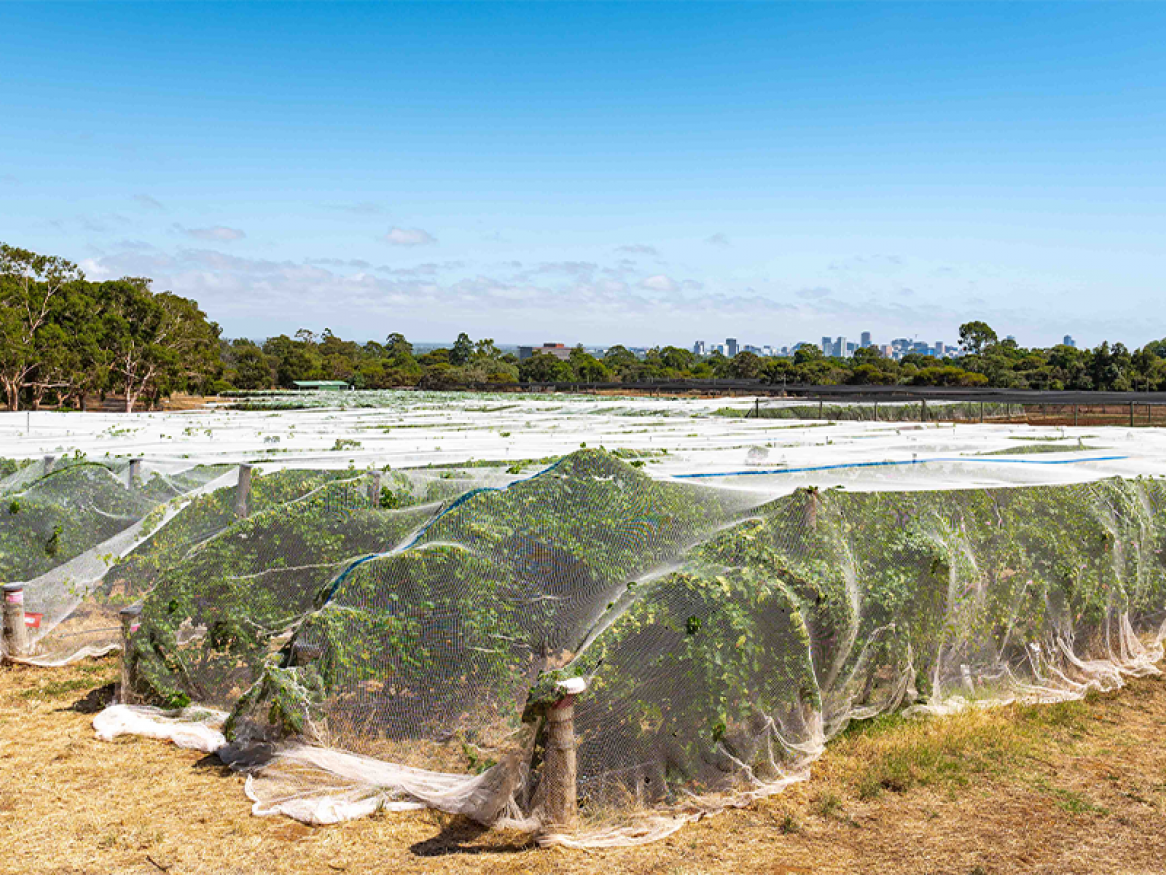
(12, 392)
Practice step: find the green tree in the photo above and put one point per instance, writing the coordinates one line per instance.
(158, 344)
(807, 353)
(587, 367)
(252, 369)
(677, 360)
(461, 351)
(544, 368)
(745, 366)
(29, 285)
(294, 359)
(976, 336)
(619, 360)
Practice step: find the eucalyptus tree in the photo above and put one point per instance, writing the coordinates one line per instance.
(30, 284)
(157, 343)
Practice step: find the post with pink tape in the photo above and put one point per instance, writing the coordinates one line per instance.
(130, 622)
(15, 638)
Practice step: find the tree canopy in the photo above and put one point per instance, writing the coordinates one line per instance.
(64, 338)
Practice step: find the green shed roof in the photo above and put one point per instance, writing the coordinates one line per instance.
(319, 384)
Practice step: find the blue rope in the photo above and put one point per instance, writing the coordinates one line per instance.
(461, 499)
(895, 464)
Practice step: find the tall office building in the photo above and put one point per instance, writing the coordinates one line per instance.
(827, 346)
(698, 348)
(840, 347)
(940, 348)
(1069, 341)
(865, 339)
(731, 347)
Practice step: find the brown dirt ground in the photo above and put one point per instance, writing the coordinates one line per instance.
(1074, 788)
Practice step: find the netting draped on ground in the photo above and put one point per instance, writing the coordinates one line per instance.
(396, 647)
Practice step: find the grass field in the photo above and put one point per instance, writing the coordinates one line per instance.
(1071, 788)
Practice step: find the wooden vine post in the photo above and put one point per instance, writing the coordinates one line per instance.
(374, 489)
(130, 620)
(15, 632)
(243, 492)
(560, 772)
(135, 473)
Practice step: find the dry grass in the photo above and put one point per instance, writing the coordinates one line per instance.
(1073, 788)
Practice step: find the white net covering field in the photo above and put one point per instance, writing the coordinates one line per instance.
(362, 637)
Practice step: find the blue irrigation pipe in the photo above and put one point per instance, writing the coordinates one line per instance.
(890, 464)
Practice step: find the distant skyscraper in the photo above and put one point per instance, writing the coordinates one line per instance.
(731, 347)
(865, 339)
(940, 348)
(840, 346)
(827, 346)
(699, 347)
(1069, 341)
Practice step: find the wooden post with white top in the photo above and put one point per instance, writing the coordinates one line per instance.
(560, 773)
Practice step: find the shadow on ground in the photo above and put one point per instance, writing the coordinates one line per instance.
(460, 836)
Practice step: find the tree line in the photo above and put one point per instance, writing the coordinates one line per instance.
(64, 339)
(985, 361)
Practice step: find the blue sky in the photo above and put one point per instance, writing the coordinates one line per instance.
(639, 173)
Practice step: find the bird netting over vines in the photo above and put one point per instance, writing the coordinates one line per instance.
(64, 522)
(88, 538)
(392, 639)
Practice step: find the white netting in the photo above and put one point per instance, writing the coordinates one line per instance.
(734, 591)
(724, 641)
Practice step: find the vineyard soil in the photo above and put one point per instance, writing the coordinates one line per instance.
(1071, 788)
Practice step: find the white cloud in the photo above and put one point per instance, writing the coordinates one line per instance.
(217, 233)
(660, 283)
(409, 237)
(104, 223)
(144, 200)
(868, 263)
(258, 297)
(814, 294)
(364, 208)
(717, 240)
(638, 249)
